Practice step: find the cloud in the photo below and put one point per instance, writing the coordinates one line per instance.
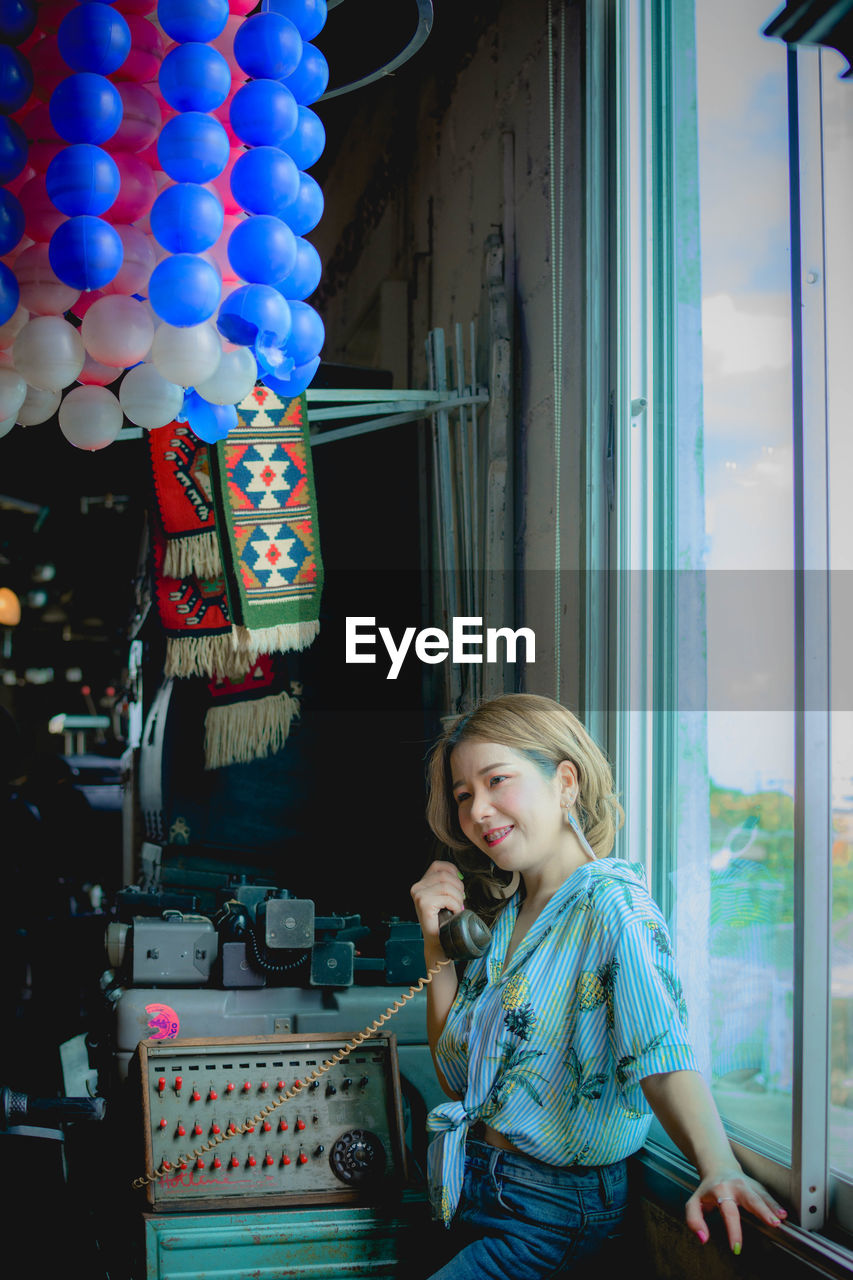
(737, 340)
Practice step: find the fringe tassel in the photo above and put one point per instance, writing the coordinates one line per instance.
(199, 555)
(247, 730)
(282, 639)
(206, 656)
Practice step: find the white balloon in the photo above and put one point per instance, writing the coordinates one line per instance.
(186, 356)
(147, 399)
(13, 391)
(117, 331)
(90, 417)
(13, 326)
(233, 380)
(49, 352)
(94, 373)
(39, 405)
(6, 426)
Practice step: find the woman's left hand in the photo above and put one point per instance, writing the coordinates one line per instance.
(731, 1190)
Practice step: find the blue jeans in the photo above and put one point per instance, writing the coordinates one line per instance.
(527, 1220)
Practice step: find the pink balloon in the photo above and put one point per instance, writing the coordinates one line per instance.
(147, 44)
(241, 6)
(218, 253)
(224, 42)
(139, 261)
(44, 141)
(49, 67)
(51, 13)
(41, 216)
(141, 119)
(85, 301)
(223, 115)
(94, 374)
(137, 191)
(142, 7)
(222, 185)
(16, 185)
(42, 292)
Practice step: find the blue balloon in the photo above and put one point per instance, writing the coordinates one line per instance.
(263, 113)
(307, 333)
(85, 107)
(184, 290)
(9, 293)
(85, 252)
(210, 422)
(308, 82)
(93, 37)
(16, 79)
(267, 46)
(308, 16)
(193, 147)
(82, 179)
(13, 149)
(306, 274)
(293, 383)
(256, 316)
(306, 210)
(201, 20)
(11, 221)
(17, 20)
(262, 249)
(305, 145)
(187, 218)
(264, 180)
(194, 77)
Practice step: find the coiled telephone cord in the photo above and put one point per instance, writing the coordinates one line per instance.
(357, 1040)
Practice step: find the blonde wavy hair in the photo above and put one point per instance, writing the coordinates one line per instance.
(546, 733)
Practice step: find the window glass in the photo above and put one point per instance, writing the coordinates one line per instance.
(742, 123)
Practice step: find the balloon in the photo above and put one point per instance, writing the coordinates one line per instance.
(210, 422)
(11, 221)
(306, 210)
(306, 274)
(13, 326)
(16, 79)
(85, 252)
(5, 427)
(242, 7)
(85, 107)
(222, 185)
(147, 399)
(186, 20)
(39, 405)
(90, 417)
(82, 179)
(193, 147)
(264, 180)
(184, 290)
(263, 113)
(186, 356)
(293, 383)
(308, 16)
(262, 249)
(307, 333)
(138, 261)
(137, 189)
(49, 353)
(256, 316)
(142, 7)
(10, 293)
(140, 121)
(117, 331)
(93, 37)
(42, 292)
(233, 380)
(268, 46)
(49, 67)
(194, 77)
(85, 302)
(41, 216)
(305, 145)
(95, 374)
(13, 150)
(146, 51)
(186, 218)
(44, 141)
(17, 21)
(51, 13)
(308, 82)
(13, 391)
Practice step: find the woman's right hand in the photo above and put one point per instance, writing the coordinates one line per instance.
(439, 889)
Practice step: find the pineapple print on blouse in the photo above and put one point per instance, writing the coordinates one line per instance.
(550, 1050)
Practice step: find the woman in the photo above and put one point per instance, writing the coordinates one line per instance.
(558, 1043)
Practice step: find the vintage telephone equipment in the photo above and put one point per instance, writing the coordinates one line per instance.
(463, 936)
(173, 949)
(217, 1130)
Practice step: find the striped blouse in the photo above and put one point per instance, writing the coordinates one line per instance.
(551, 1051)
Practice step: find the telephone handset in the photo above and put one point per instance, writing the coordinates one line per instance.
(463, 936)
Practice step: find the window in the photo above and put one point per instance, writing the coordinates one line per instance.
(730, 713)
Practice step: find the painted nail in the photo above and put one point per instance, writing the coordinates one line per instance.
(736, 1249)
(460, 875)
(703, 1236)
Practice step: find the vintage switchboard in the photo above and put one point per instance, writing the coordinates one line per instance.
(338, 1140)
